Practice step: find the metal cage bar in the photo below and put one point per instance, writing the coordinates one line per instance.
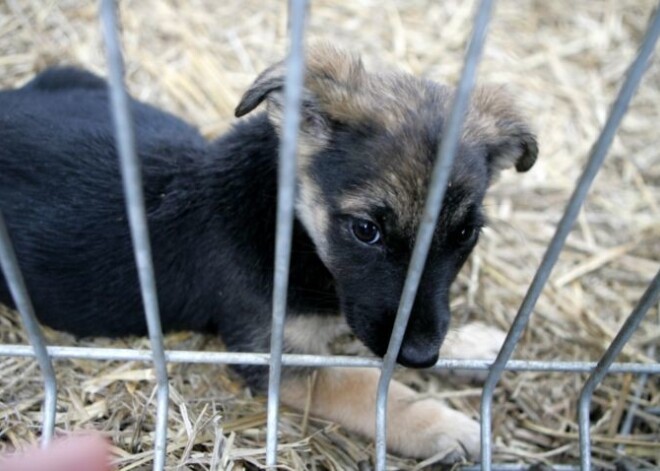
(132, 181)
(439, 179)
(286, 189)
(649, 297)
(16, 284)
(316, 361)
(626, 426)
(596, 159)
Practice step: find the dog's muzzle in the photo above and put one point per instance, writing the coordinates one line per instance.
(415, 355)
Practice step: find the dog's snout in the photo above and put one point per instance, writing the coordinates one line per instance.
(415, 355)
(424, 335)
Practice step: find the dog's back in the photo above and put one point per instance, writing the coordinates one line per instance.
(61, 195)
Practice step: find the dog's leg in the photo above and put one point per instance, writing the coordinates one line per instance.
(416, 427)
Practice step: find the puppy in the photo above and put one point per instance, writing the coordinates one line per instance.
(366, 148)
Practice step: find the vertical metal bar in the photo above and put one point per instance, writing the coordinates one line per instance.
(596, 158)
(16, 284)
(132, 181)
(439, 179)
(626, 427)
(285, 209)
(649, 297)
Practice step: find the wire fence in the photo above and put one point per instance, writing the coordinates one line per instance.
(285, 214)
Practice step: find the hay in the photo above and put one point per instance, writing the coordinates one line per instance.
(562, 59)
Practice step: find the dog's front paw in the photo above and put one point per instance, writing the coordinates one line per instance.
(431, 429)
(458, 433)
(474, 341)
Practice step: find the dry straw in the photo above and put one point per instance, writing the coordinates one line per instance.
(563, 60)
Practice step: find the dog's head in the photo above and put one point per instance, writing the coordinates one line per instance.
(366, 149)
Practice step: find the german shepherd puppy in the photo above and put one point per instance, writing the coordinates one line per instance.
(367, 145)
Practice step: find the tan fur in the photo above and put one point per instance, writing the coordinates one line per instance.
(351, 95)
(311, 333)
(398, 192)
(338, 88)
(473, 341)
(416, 427)
(493, 119)
(311, 210)
(345, 91)
(309, 141)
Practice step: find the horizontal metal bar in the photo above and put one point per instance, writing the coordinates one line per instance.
(137, 216)
(518, 467)
(320, 361)
(596, 158)
(16, 285)
(649, 298)
(446, 154)
(286, 189)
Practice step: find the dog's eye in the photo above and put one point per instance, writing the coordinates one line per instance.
(466, 235)
(366, 231)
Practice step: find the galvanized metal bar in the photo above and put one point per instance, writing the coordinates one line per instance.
(319, 361)
(627, 424)
(596, 158)
(439, 179)
(519, 467)
(650, 297)
(132, 182)
(16, 284)
(286, 190)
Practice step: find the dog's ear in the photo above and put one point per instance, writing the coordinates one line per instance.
(331, 84)
(269, 81)
(494, 123)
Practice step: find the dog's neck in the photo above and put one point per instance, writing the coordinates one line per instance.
(241, 176)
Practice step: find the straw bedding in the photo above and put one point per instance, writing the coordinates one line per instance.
(562, 59)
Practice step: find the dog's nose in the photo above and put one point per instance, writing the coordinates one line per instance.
(413, 355)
